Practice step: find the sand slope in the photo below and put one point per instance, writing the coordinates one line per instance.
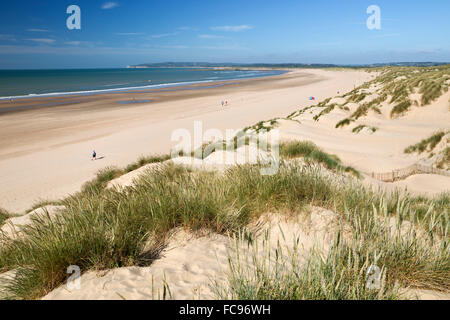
(12, 226)
(189, 264)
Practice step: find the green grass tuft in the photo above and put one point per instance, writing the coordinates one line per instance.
(144, 160)
(4, 215)
(404, 259)
(445, 161)
(401, 108)
(358, 129)
(427, 144)
(312, 153)
(325, 111)
(107, 229)
(344, 123)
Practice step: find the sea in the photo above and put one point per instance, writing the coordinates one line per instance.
(17, 84)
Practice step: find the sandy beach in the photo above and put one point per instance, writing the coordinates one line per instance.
(45, 150)
(269, 154)
(47, 156)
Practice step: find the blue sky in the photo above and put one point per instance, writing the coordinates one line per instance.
(33, 33)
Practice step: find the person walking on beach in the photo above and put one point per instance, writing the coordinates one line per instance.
(94, 155)
(222, 103)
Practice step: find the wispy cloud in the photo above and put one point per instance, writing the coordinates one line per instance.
(77, 43)
(7, 37)
(42, 40)
(74, 50)
(109, 5)
(185, 28)
(163, 35)
(232, 28)
(37, 30)
(129, 33)
(209, 36)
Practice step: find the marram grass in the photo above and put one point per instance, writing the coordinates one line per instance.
(103, 228)
(427, 144)
(4, 215)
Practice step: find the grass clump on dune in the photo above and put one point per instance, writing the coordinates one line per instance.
(263, 126)
(371, 105)
(208, 148)
(356, 98)
(394, 85)
(310, 152)
(359, 128)
(107, 229)
(344, 122)
(404, 260)
(401, 108)
(322, 104)
(144, 160)
(325, 111)
(43, 203)
(101, 180)
(427, 144)
(299, 112)
(397, 84)
(108, 174)
(431, 90)
(445, 161)
(4, 215)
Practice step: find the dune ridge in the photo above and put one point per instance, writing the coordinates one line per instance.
(213, 227)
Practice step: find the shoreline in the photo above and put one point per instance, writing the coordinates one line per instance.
(35, 101)
(316, 193)
(45, 153)
(138, 88)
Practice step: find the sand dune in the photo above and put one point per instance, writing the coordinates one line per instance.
(189, 264)
(12, 226)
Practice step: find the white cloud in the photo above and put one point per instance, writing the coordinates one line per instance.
(79, 43)
(85, 50)
(42, 40)
(109, 5)
(37, 30)
(209, 36)
(73, 43)
(163, 35)
(232, 28)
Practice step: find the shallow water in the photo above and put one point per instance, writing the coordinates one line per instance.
(33, 83)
